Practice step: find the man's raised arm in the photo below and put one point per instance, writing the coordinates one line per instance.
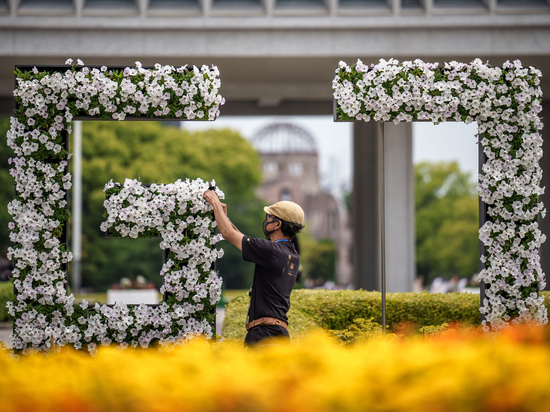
(226, 228)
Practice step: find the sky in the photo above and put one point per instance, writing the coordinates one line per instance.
(444, 142)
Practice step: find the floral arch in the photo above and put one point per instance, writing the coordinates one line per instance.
(48, 99)
(505, 102)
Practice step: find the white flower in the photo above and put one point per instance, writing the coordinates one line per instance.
(423, 98)
(39, 255)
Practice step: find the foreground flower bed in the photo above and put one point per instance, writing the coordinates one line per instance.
(455, 371)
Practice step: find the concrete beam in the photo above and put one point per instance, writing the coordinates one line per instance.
(212, 19)
(245, 42)
(286, 108)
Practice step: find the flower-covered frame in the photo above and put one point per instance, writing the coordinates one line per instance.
(48, 99)
(505, 102)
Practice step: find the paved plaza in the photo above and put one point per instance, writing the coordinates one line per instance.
(5, 331)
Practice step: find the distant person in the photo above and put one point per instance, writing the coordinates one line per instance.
(462, 284)
(439, 285)
(418, 285)
(5, 266)
(474, 280)
(329, 285)
(319, 283)
(277, 263)
(453, 285)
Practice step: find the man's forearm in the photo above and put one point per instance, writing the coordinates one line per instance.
(228, 230)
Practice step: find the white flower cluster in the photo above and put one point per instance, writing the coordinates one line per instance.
(505, 102)
(38, 213)
(182, 218)
(165, 91)
(47, 102)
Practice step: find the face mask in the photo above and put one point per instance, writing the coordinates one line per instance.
(267, 233)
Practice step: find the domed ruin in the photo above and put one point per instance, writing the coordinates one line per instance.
(284, 138)
(291, 172)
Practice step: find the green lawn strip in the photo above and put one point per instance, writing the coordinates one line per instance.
(6, 293)
(91, 298)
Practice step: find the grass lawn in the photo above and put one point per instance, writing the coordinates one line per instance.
(6, 286)
(6, 293)
(101, 298)
(231, 293)
(91, 297)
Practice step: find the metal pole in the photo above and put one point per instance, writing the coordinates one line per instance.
(382, 214)
(77, 205)
(482, 158)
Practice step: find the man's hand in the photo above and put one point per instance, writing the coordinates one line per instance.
(211, 197)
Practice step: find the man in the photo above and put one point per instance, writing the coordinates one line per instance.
(276, 267)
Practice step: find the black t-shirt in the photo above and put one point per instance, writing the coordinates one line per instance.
(274, 276)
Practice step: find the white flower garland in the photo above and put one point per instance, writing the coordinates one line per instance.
(179, 215)
(505, 102)
(47, 103)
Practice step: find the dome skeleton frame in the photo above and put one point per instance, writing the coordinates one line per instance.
(284, 137)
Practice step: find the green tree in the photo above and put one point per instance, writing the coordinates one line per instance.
(156, 153)
(317, 257)
(446, 206)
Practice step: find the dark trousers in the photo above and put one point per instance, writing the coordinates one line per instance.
(261, 332)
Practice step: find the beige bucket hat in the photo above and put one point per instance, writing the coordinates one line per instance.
(286, 210)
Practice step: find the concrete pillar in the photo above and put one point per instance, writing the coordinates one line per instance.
(400, 251)
(366, 250)
(545, 198)
(400, 245)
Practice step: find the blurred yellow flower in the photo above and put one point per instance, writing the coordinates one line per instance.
(453, 371)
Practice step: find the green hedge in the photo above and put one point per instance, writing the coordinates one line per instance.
(311, 309)
(6, 293)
